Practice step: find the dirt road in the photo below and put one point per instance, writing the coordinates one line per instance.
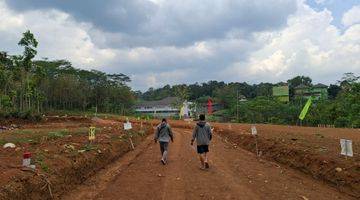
(234, 174)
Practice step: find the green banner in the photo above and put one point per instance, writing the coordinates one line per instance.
(305, 109)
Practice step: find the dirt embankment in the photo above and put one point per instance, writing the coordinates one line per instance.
(62, 154)
(314, 151)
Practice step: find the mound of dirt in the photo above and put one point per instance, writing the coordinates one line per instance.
(339, 172)
(63, 163)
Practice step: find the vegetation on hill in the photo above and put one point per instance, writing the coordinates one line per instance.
(341, 109)
(28, 86)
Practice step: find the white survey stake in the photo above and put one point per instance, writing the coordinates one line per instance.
(346, 147)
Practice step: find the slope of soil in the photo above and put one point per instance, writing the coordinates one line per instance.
(314, 151)
(62, 155)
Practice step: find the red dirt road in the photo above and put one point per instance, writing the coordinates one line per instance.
(234, 174)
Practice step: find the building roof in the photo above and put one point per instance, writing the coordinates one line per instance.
(320, 85)
(301, 86)
(168, 101)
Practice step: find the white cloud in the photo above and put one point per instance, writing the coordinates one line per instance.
(59, 36)
(320, 1)
(309, 45)
(352, 16)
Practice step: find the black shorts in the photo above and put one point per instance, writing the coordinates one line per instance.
(202, 149)
(164, 146)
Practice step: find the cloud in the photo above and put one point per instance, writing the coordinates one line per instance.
(59, 36)
(171, 42)
(320, 1)
(309, 45)
(169, 23)
(111, 15)
(352, 16)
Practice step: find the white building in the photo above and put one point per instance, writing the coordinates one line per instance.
(162, 108)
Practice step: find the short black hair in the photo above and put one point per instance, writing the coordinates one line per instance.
(202, 117)
(163, 120)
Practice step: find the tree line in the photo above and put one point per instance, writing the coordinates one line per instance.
(342, 108)
(29, 86)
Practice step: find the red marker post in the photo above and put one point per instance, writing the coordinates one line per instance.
(26, 159)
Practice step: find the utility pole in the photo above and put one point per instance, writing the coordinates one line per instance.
(237, 106)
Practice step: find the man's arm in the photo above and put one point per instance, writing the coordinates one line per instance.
(194, 135)
(210, 132)
(171, 134)
(156, 137)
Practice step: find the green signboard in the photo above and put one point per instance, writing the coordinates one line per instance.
(282, 93)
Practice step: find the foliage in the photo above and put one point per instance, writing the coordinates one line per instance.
(30, 86)
(342, 109)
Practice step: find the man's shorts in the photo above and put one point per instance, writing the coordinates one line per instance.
(164, 146)
(202, 149)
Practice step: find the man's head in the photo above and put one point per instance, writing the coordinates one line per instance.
(202, 117)
(163, 120)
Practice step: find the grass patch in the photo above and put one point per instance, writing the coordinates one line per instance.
(24, 132)
(53, 135)
(83, 131)
(40, 160)
(89, 147)
(2, 142)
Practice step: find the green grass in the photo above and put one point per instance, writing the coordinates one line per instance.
(40, 160)
(33, 136)
(53, 135)
(24, 132)
(89, 147)
(2, 142)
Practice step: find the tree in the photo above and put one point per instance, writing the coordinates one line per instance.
(296, 81)
(29, 86)
(24, 63)
(347, 80)
(333, 91)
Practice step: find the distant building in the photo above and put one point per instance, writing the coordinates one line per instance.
(242, 98)
(162, 108)
(281, 93)
(317, 91)
(168, 107)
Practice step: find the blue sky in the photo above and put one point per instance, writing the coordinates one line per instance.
(337, 8)
(159, 42)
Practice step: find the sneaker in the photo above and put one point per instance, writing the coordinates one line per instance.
(207, 165)
(163, 162)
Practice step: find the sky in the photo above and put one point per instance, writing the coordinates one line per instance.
(159, 42)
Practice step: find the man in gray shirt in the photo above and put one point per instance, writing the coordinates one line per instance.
(203, 135)
(163, 134)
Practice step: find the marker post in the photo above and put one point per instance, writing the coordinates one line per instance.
(346, 148)
(254, 134)
(92, 130)
(127, 128)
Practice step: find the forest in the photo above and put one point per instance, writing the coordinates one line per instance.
(31, 87)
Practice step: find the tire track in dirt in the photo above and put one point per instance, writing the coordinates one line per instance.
(100, 181)
(234, 174)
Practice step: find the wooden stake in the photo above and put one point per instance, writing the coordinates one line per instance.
(256, 146)
(131, 143)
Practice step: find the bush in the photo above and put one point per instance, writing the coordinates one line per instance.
(342, 122)
(356, 123)
(27, 115)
